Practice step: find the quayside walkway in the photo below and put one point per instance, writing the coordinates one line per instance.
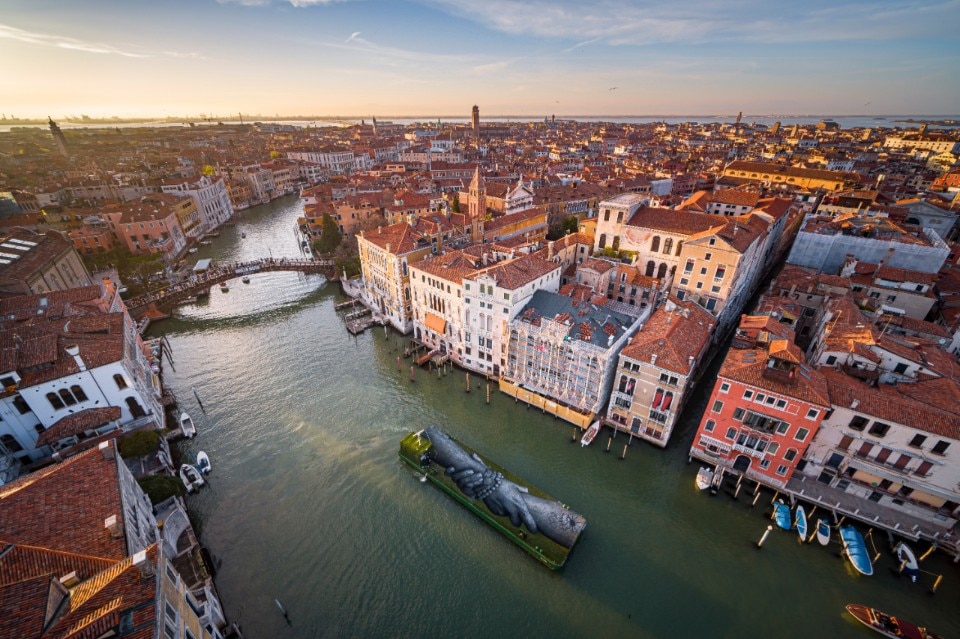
(201, 282)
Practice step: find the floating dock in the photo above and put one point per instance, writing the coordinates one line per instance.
(417, 451)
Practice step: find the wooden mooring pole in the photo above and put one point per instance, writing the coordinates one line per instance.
(766, 533)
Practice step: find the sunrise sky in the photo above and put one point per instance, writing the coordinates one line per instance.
(136, 58)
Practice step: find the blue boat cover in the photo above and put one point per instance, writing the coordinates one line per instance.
(782, 514)
(856, 549)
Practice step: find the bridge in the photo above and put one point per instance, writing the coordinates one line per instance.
(201, 282)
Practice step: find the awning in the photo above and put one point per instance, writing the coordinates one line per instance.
(202, 266)
(75, 424)
(901, 478)
(435, 323)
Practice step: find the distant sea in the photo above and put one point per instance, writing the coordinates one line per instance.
(845, 121)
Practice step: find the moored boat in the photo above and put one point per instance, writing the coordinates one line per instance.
(909, 565)
(800, 520)
(224, 287)
(888, 625)
(590, 434)
(203, 463)
(187, 427)
(245, 279)
(190, 477)
(704, 478)
(855, 548)
(823, 531)
(781, 513)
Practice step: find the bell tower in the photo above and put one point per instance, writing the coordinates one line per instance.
(477, 206)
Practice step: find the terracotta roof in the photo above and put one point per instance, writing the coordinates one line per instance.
(893, 404)
(675, 332)
(77, 423)
(671, 221)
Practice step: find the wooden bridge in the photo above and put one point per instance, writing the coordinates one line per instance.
(202, 282)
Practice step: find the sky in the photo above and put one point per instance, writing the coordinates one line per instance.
(139, 58)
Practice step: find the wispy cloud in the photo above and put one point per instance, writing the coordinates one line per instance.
(638, 22)
(8, 32)
(296, 3)
(581, 44)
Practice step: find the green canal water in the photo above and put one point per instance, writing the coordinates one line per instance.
(308, 502)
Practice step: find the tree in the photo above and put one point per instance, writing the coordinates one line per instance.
(571, 224)
(456, 203)
(331, 235)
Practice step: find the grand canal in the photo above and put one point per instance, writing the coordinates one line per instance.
(309, 504)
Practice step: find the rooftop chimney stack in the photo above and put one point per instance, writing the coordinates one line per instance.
(140, 561)
(106, 449)
(113, 525)
(74, 352)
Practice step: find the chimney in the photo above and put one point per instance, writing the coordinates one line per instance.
(106, 450)
(111, 524)
(74, 352)
(70, 579)
(854, 404)
(140, 561)
(653, 358)
(690, 361)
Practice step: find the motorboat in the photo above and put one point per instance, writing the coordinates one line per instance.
(187, 426)
(704, 478)
(224, 287)
(245, 279)
(190, 477)
(590, 434)
(800, 521)
(855, 548)
(909, 565)
(823, 531)
(888, 625)
(203, 463)
(781, 513)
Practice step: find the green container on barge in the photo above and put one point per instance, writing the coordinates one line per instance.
(547, 545)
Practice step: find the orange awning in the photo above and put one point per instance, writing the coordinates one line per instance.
(435, 323)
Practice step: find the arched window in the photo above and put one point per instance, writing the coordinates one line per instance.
(67, 397)
(620, 217)
(78, 393)
(655, 244)
(11, 444)
(616, 243)
(662, 271)
(136, 410)
(679, 246)
(54, 401)
(603, 240)
(651, 267)
(668, 245)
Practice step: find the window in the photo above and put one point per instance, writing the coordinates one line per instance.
(724, 387)
(688, 268)
(684, 281)
(781, 404)
(879, 429)
(831, 360)
(54, 400)
(738, 414)
(773, 448)
(78, 393)
(940, 447)
(813, 413)
(708, 426)
(731, 433)
(21, 404)
(918, 440)
(717, 406)
(67, 397)
(900, 368)
(781, 470)
(801, 434)
(12, 445)
(721, 271)
(708, 256)
(764, 464)
(790, 455)
(858, 423)
(703, 270)
(747, 394)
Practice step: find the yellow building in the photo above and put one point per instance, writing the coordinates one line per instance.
(791, 175)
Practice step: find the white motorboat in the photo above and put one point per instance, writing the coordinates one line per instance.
(245, 279)
(590, 433)
(187, 426)
(909, 565)
(704, 478)
(203, 463)
(190, 477)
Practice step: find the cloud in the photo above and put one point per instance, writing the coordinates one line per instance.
(300, 4)
(640, 22)
(581, 44)
(353, 36)
(62, 42)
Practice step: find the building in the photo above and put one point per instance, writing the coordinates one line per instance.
(824, 244)
(81, 555)
(211, 198)
(790, 175)
(34, 263)
(73, 368)
(475, 122)
(58, 138)
(151, 225)
(766, 405)
(562, 354)
(657, 368)
(385, 258)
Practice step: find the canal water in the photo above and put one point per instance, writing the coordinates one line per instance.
(308, 502)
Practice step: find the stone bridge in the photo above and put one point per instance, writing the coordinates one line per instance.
(201, 282)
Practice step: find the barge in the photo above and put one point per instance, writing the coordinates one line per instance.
(533, 520)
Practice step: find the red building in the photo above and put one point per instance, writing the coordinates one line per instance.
(766, 406)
